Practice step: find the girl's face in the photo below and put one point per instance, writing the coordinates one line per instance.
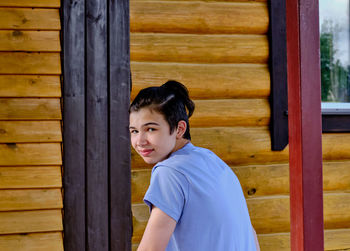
(150, 135)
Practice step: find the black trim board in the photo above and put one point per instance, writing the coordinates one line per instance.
(278, 72)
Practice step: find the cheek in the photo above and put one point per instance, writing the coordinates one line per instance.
(133, 140)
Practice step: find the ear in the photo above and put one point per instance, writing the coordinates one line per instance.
(181, 129)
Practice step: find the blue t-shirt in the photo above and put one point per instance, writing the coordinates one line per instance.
(202, 194)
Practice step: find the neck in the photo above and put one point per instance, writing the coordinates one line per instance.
(180, 143)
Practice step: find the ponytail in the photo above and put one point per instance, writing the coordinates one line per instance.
(181, 92)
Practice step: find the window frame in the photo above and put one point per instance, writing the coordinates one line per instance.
(332, 121)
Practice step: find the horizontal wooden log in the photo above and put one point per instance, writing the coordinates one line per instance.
(231, 112)
(30, 109)
(30, 177)
(30, 86)
(199, 17)
(140, 180)
(260, 180)
(199, 48)
(30, 131)
(270, 214)
(15, 40)
(205, 81)
(30, 63)
(30, 154)
(32, 242)
(29, 19)
(30, 199)
(334, 239)
(31, 221)
(252, 145)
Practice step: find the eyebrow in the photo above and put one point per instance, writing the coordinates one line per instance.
(147, 124)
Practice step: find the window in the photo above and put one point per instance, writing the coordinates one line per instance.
(335, 69)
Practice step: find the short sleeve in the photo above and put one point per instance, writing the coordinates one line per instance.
(168, 191)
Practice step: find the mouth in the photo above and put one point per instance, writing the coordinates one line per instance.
(145, 152)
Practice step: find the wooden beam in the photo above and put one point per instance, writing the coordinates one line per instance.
(52, 241)
(199, 17)
(30, 177)
(29, 19)
(188, 48)
(304, 120)
(26, 86)
(205, 81)
(74, 124)
(119, 142)
(96, 121)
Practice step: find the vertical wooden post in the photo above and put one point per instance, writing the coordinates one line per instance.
(96, 126)
(304, 121)
(119, 91)
(96, 96)
(73, 16)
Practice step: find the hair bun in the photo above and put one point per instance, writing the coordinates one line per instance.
(180, 92)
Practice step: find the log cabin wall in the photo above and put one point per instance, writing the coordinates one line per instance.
(220, 51)
(30, 126)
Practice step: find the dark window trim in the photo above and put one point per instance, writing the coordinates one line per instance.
(278, 75)
(331, 123)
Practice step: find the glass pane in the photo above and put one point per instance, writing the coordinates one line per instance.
(335, 52)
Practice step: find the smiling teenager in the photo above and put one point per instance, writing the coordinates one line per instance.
(195, 199)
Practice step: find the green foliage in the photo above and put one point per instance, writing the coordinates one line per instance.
(334, 76)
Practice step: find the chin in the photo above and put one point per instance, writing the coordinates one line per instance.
(150, 161)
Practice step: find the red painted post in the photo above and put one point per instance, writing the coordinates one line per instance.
(305, 129)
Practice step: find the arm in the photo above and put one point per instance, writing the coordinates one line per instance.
(158, 231)
(256, 241)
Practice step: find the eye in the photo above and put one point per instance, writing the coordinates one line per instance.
(133, 131)
(151, 129)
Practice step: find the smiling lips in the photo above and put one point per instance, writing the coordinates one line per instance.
(146, 152)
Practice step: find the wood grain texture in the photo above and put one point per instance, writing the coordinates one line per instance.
(231, 112)
(74, 150)
(30, 199)
(30, 154)
(199, 17)
(30, 221)
(30, 177)
(199, 48)
(29, 19)
(32, 242)
(30, 86)
(119, 141)
(270, 214)
(30, 109)
(30, 63)
(30, 3)
(30, 131)
(260, 180)
(335, 239)
(96, 135)
(15, 40)
(205, 81)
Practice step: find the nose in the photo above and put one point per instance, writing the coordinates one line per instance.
(141, 139)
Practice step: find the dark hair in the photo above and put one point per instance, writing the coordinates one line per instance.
(171, 99)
